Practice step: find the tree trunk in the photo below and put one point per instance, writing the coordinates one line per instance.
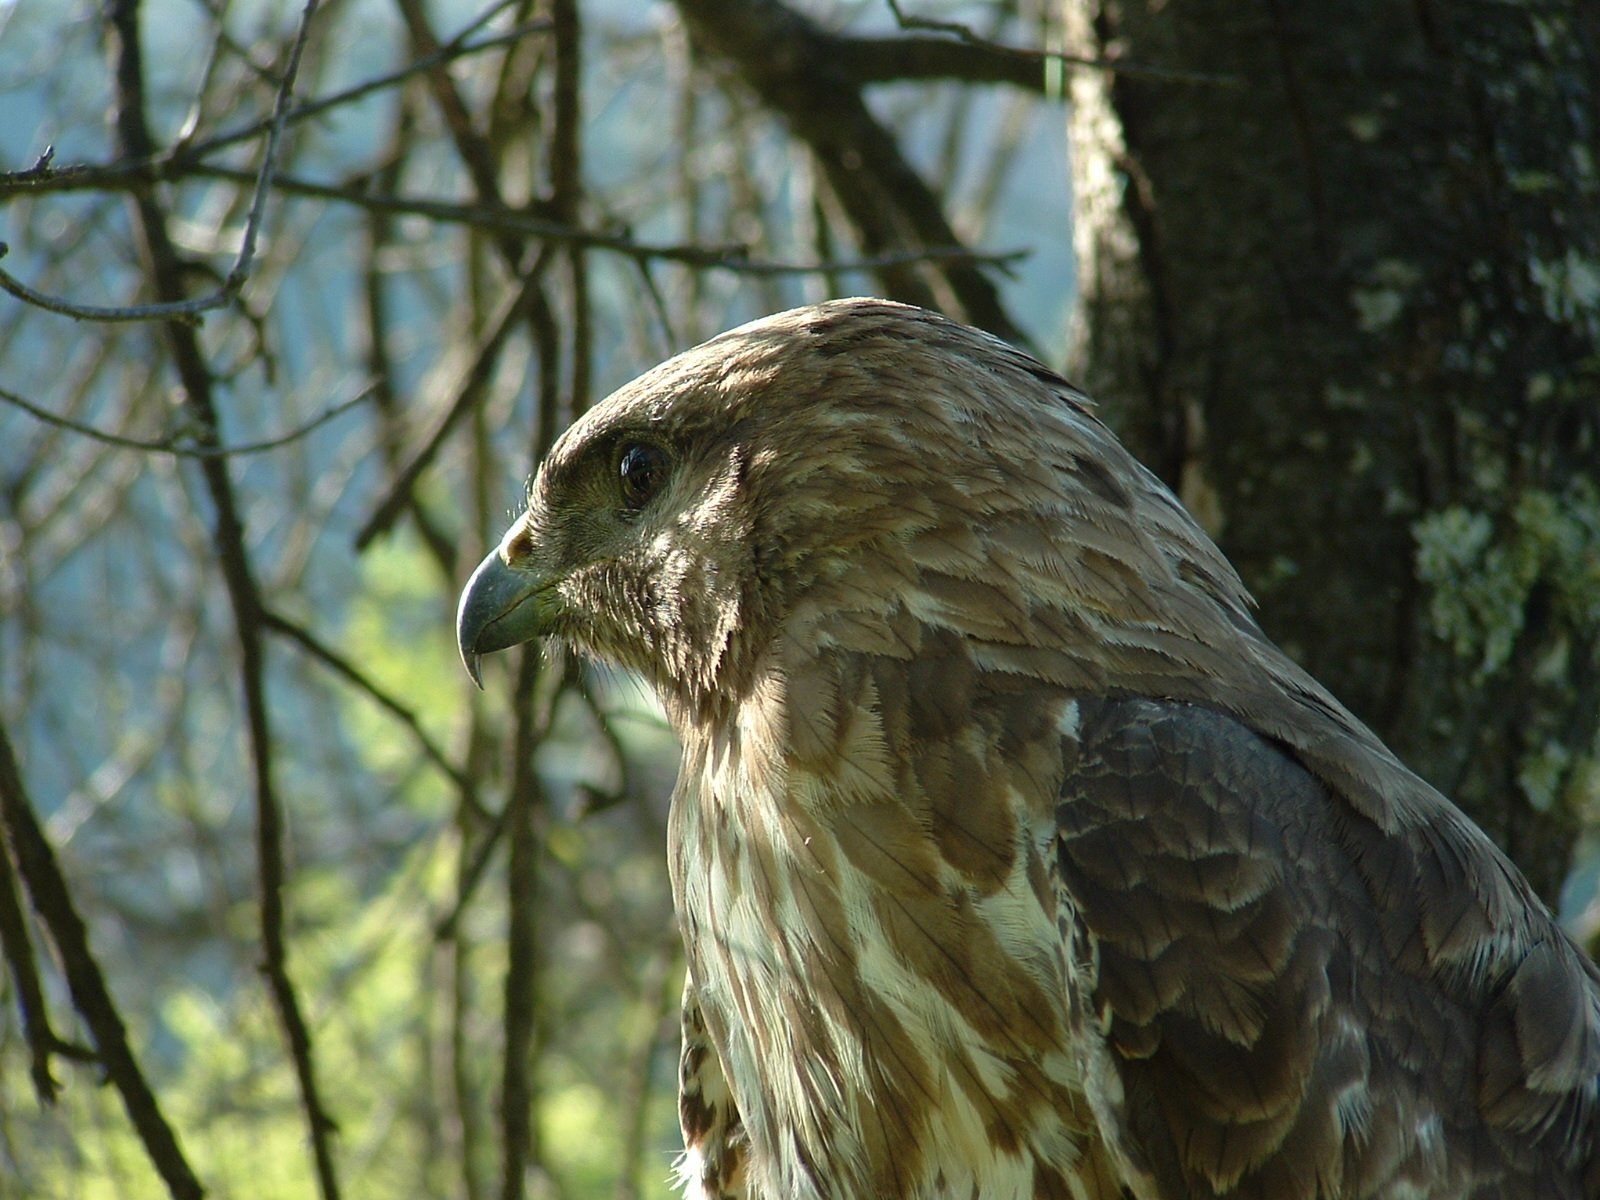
(1346, 298)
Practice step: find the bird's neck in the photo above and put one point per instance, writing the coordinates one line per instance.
(821, 911)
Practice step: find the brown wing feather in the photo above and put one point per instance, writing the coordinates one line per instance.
(1292, 999)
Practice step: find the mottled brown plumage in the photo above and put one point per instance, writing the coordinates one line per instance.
(1011, 859)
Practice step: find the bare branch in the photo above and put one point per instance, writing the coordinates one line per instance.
(468, 394)
(518, 1134)
(166, 269)
(180, 311)
(174, 445)
(18, 949)
(341, 666)
(899, 59)
(732, 257)
(52, 900)
(444, 929)
(874, 58)
(180, 160)
(471, 147)
(43, 169)
(790, 64)
(192, 310)
(566, 184)
(452, 51)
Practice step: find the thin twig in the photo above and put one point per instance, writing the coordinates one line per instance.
(519, 1136)
(191, 310)
(471, 146)
(481, 162)
(172, 445)
(174, 163)
(380, 231)
(43, 169)
(1029, 54)
(52, 900)
(566, 187)
(658, 306)
(791, 65)
(732, 257)
(468, 394)
(18, 949)
(451, 52)
(444, 929)
(593, 799)
(341, 666)
(92, 312)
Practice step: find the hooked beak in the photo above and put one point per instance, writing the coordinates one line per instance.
(500, 607)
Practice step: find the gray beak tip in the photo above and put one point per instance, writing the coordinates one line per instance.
(497, 610)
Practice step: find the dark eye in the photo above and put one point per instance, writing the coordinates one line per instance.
(642, 470)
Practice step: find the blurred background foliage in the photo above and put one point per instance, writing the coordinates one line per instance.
(371, 932)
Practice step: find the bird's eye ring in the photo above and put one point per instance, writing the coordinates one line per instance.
(641, 473)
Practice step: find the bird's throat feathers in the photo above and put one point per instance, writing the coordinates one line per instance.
(848, 831)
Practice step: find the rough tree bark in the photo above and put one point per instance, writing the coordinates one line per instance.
(1349, 303)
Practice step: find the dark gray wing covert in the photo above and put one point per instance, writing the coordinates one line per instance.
(1283, 992)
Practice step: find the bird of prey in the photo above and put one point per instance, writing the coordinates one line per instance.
(1011, 859)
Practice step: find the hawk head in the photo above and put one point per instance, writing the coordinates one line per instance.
(857, 456)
